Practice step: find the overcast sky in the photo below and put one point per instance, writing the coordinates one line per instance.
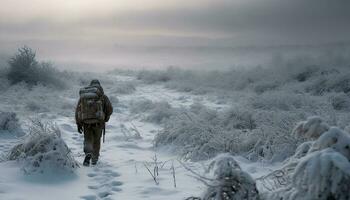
(78, 29)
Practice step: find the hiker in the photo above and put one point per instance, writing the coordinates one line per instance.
(91, 114)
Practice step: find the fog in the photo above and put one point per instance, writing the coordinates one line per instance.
(93, 36)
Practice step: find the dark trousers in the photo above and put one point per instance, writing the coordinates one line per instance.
(92, 140)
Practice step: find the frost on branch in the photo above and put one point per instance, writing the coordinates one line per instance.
(43, 150)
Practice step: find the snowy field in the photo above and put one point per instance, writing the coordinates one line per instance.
(169, 129)
(121, 173)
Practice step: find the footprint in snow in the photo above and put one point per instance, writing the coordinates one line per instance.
(103, 183)
(89, 197)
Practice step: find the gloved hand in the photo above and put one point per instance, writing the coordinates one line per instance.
(106, 119)
(80, 128)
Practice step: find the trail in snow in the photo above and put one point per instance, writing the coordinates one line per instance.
(121, 171)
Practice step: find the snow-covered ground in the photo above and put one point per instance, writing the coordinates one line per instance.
(128, 149)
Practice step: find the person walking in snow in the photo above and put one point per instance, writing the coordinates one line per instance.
(92, 112)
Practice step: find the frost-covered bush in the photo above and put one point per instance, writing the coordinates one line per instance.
(340, 101)
(334, 138)
(160, 112)
(323, 173)
(43, 150)
(193, 138)
(200, 133)
(335, 81)
(141, 106)
(310, 129)
(305, 73)
(283, 100)
(273, 138)
(39, 99)
(9, 123)
(25, 68)
(238, 118)
(156, 112)
(230, 181)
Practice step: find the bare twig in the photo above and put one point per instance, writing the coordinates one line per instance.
(195, 173)
(153, 175)
(173, 172)
(138, 134)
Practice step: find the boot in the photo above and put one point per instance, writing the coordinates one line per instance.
(94, 161)
(87, 160)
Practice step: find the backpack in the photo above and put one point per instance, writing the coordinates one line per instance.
(91, 107)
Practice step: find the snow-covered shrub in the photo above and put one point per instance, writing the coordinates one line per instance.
(9, 123)
(274, 141)
(43, 150)
(323, 173)
(306, 72)
(340, 101)
(282, 100)
(230, 181)
(25, 68)
(334, 138)
(141, 106)
(160, 112)
(200, 133)
(238, 118)
(194, 138)
(310, 129)
(156, 112)
(337, 81)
